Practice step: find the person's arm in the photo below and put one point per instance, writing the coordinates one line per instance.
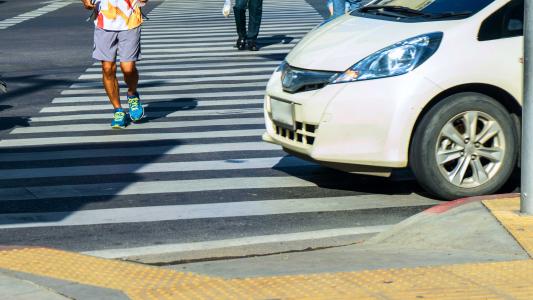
(87, 4)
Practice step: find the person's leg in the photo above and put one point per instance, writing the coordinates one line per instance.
(256, 13)
(129, 51)
(240, 22)
(109, 78)
(131, 76)
(339, 8)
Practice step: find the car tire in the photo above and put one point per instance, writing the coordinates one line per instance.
(479, 164)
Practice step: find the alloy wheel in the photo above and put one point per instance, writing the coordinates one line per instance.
(470, 149)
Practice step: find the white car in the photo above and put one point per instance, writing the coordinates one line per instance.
(430, 85)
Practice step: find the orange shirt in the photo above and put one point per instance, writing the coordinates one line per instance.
(118, 15)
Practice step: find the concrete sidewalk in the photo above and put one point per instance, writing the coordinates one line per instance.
(470, 248)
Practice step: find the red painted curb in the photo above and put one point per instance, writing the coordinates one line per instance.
(444, 207)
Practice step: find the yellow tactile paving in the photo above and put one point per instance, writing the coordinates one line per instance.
(502, 280)
(507, 211)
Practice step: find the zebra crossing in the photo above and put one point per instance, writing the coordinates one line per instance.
(4, 24)
(196, 171)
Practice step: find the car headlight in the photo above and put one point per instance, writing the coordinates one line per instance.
(394, 60)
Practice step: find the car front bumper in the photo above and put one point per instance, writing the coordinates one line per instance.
(360, 124)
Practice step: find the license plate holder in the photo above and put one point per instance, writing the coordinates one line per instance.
(283, 113)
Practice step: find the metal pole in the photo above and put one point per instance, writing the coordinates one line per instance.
(526, 187)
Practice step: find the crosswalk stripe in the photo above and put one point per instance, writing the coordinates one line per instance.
(184, 113)
(175, 104)
(169, 88)
(151, 125)
(217, 64)
(32, 14)
(236, 164)
(146, 82)
(173, 96)
(199, 211)
(151, 187)
(137, 151)
(215, 54)
(193, 72)
(128, 138)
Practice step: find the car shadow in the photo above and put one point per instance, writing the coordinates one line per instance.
(401, 182)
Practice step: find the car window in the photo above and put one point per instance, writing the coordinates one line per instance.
(506, 22)
(438, 6)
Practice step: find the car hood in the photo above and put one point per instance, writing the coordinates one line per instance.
(338, 45)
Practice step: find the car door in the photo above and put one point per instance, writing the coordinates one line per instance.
(503, 32)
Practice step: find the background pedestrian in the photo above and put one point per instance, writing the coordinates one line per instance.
(248, 38)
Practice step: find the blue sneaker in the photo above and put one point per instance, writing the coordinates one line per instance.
(119, 119)
(136, 108)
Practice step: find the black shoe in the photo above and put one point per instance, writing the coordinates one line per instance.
(241, 44)
(252, 45)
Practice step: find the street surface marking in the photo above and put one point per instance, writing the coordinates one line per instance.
(182, 166)
(238, 242)
(172, 104)
(173, 96)
(129, 138)
(200, 211)
(172, 88)
(182, 113)
(151, 125)
(151, 187)
(136, 151)
(4, 24)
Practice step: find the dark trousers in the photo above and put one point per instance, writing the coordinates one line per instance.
(255, 8)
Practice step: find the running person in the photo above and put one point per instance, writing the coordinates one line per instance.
(118, 31)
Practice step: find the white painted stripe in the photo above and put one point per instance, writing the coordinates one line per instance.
(227, 45)
(169, 88)
(136, 151)
(127, 138)
(149, 125)
(217, 54)
(183, 113)
(151, 187)
(212, 165)
(227, 71)
(216, 64)
(199, 60)
(173, 104)
(173, 96)
(207, 211)
(162, 82)
(228, 29)
(238, 242)
(178, 49)
(228, 35)
(32, 14)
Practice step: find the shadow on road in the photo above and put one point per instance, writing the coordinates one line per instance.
(7, 123)
(110, 158)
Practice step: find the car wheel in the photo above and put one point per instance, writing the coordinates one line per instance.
(466, 145)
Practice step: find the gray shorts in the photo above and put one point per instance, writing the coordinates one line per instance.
(107, 44)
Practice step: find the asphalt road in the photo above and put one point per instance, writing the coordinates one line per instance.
(196, 170)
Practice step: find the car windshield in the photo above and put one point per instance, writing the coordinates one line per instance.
(435, 7)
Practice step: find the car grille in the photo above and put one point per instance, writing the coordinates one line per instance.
(296, 80)
(304, 133)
